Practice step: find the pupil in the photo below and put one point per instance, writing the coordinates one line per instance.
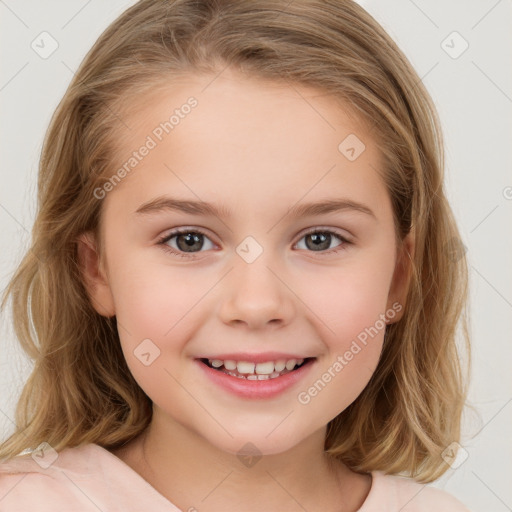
(319, 239)
(190, 240)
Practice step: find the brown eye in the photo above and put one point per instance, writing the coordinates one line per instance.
(321, 240)
(189, 242)
(186, 241)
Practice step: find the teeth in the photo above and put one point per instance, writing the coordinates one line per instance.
(245, 367)
(255, 377)
(230, 365)
(259, 371)
(290, 365)
(265, 368)
(280, 365)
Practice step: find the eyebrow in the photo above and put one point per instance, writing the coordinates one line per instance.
(164, 203)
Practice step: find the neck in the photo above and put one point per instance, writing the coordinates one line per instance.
(193, 474)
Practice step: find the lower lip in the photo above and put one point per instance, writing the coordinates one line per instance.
(256, 389)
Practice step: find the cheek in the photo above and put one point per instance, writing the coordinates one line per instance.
(151, 298)
(350, 304)
(155, 320)
(349, 299)
(155, 316)
(353, 340)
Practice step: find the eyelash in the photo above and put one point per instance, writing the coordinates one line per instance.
(163, 241)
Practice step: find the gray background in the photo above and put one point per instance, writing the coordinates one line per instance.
(473, 94)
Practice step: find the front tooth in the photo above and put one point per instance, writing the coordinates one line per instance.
(230, 365)
(280, 365)
(265, 368)
(245, 367)
(216, 363)
(290, 364)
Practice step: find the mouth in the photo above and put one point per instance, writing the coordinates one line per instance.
(256, 371)
(265, 376)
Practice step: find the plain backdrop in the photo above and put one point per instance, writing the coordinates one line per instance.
(472, 89)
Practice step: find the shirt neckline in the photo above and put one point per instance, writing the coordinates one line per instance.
(137, 478)
(365, 507)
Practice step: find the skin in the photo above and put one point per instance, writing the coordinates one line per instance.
(258, 149)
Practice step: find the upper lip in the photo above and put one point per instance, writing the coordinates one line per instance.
(255, 358)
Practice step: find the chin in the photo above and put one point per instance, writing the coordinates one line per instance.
(255, 443)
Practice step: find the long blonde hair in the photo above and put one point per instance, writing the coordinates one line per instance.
(81, 390)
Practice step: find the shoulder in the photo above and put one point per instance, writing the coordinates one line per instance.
(407, 495)
(33, 491)
(87, 478)
(50, 482)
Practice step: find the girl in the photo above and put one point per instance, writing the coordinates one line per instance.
(245, 280)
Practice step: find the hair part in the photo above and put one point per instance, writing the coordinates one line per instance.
(80, 389)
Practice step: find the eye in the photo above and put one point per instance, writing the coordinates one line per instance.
(187, 241)
(320, 239)
(190, 241)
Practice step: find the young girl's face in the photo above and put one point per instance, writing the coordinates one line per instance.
(249, 282)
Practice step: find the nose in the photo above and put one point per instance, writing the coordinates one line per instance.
(255, 294)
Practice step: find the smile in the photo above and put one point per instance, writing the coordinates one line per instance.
(255, 371)
(248, 383)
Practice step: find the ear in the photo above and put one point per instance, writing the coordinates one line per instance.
(93, 276)
(401, 277)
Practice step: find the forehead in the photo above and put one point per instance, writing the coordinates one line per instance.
(244, 141)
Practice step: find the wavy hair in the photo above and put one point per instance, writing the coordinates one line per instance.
(81, 390)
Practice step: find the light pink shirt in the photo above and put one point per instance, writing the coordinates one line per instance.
(90, 479)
